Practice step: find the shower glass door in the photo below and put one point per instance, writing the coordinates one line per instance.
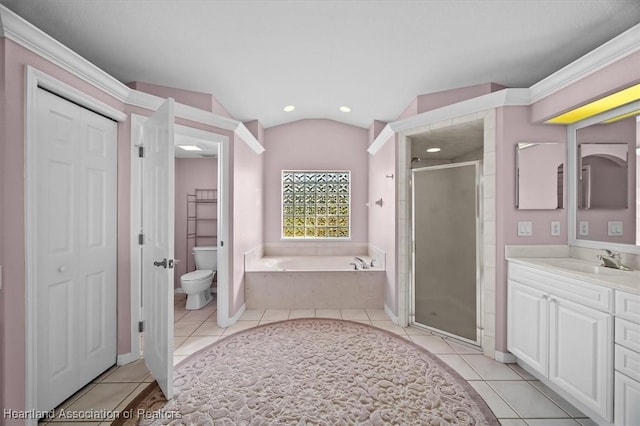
(445, 260)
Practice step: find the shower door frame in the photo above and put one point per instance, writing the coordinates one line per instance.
(479, 252)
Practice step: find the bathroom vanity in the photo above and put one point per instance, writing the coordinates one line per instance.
(575, 325)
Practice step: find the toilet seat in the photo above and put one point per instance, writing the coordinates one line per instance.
(197, 275)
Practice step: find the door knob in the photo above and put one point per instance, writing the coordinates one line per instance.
(163, 263)
(62, 268)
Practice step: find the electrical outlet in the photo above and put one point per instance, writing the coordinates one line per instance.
(555, 229)
(584, 228)
(525, 229)
(614, 228)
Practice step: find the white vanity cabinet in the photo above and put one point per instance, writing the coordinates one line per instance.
(627, 359)
(562, 328)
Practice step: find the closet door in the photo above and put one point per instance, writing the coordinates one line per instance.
(76, 248)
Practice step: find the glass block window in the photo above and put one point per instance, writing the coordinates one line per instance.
(316, 204)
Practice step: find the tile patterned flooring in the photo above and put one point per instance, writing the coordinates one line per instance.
(514, 396)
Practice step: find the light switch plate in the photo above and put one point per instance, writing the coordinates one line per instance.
(614, 228)
(555, 229)
(525, 229)
(584, 228)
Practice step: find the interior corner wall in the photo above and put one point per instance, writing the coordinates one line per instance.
(316, 144)
(382, 220)
(248, 196)
(12, 213)
(513, 125)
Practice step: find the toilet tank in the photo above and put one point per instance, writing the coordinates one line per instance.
(206, 257)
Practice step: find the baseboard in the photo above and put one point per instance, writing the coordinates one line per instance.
(505, 357)
(230, 321)
(389, 312)
(127, 358)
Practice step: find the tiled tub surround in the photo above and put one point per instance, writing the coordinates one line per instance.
(575, 325)
(279, 280)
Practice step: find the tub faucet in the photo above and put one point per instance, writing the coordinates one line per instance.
(363, 264)
(613, 260)
(355, 265)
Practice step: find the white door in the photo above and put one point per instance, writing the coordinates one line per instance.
(157, 249)
(581, 354)
(527, 325)
(76, 248)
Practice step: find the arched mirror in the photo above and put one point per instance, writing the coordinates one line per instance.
(604, 180)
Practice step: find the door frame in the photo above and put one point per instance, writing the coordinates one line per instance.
(136, 221)
(479, 256)
(35, 79)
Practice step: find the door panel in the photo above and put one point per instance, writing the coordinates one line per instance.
(76, 248)
(527, 325)
(158, 228)
(445, 248)
(581, 353)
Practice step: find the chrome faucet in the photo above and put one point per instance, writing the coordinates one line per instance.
(363, 264)
(613, 260)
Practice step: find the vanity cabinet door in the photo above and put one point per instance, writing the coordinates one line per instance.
(527, 325)
(581, 354)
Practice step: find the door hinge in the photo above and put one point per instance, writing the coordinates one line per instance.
(141, 239)
(141, 151)
(140, 326)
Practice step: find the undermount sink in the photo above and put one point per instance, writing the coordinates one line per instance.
(582, 266)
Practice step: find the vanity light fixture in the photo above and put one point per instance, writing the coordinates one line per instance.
(434, 149)
(190, 147)
(614, 100)
(289, 108)
(345, 109)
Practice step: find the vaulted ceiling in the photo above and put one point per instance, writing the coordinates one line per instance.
(375, 57)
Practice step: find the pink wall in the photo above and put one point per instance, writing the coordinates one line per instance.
(315, 145)
(382, 220)
(616, 76)
(191, 173)
(513, 125)
(13, 213)
(204, 101)
(256, 129)
(248, 196)
(3, 137)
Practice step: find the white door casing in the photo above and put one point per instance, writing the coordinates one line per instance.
(75, 254)
(158, 243)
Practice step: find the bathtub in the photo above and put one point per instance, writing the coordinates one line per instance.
(313, 282)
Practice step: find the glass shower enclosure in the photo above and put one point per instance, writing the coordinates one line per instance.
(446, 224)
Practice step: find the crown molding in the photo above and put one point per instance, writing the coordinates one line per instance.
(16, 29)
(243, 133)
(501, 98)
(612, 51)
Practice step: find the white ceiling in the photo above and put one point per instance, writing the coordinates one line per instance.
(256, 57)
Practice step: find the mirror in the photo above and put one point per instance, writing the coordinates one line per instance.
(540, 176)
(605, 154)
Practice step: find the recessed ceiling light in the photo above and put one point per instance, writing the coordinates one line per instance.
(289, 108)
(345, 109)
(190, 147)
(433, 150)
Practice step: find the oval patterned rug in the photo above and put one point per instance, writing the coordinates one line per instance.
(315, 372)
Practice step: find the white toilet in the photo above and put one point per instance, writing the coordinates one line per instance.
(197, 284)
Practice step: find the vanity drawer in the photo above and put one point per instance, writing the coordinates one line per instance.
(628, 306)
(627, 334)
(573, 289)
(627, 362)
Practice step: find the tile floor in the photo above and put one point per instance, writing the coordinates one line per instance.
(515, 397)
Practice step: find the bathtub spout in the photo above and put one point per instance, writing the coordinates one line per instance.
(363, 264)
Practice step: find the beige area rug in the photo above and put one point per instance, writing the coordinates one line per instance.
(314, 372)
